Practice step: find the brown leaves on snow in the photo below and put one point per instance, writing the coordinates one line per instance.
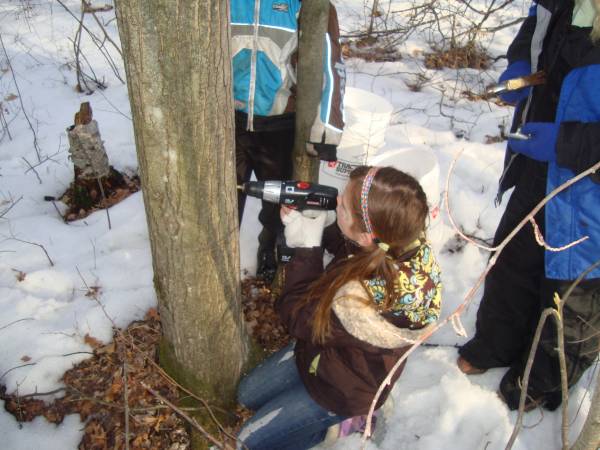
(95, 391)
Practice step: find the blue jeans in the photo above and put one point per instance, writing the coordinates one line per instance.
(286, 415)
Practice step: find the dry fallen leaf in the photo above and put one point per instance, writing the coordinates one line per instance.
(19, 274)
(92, 341)
(93, 291)
(108, 349)
(152, 314)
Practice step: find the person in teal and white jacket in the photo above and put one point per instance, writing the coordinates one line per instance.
(265, 53)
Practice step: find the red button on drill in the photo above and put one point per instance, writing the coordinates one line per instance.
(302, 185)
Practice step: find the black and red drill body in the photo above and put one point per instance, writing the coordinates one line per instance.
(299, 195)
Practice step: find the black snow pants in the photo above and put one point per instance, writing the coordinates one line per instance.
(516, 292)
(268, 152)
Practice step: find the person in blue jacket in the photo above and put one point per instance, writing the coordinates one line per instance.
(562, 120)
(265, 51)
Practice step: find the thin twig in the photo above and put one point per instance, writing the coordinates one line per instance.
(542, 243)
(64, 219)
(16, 367)
(557, 314)
(37, 245)
(106, 35)
(44, 160)
(16, 321)
(31, 168)
(167, 377)
(99, 179)
(188, 419)
(525, 380)
(4, 125)
(77, 50)
(77, 353)
(126, 402)
(3, 213)
(97, 41)
(36, 146)
(532, 214)
(114, 107)
(44, 394)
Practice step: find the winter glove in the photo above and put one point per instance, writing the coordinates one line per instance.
(305, 229)
(515, 70)
(325, 152)
(541, 144)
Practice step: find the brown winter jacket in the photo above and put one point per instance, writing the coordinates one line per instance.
(344, 374)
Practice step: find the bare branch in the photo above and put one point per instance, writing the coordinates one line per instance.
(563, 375)
(38, 150)
(529, 216)
(469, 297)
(542, 243)
(187, 418)
(16, 367)
(37, 245)
(31, 168)
(15, 321)
(3, 213)
(126, 403)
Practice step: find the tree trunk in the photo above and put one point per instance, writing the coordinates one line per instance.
(177, 60)
(589, 438)
(313, 18)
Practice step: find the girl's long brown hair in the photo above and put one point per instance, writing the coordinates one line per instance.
(398, 212)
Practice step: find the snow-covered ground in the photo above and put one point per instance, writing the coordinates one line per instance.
(46, 314)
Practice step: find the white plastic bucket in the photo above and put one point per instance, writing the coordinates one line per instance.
(422, 163)
(367, 117)
(335, 173)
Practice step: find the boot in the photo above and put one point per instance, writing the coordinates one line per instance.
(468, 368)
(266, 264)
(510, 391)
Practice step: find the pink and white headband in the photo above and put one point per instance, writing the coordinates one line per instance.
(364, 206)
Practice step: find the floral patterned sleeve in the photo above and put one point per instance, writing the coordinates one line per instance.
(418, 290)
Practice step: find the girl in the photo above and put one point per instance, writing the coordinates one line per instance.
(353, 321)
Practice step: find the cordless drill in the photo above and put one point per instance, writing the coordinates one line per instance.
(299, 195)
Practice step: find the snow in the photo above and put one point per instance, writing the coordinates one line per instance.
(46, 314)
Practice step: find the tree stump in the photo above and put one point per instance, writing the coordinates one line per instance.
(86, 147)
(96, 184)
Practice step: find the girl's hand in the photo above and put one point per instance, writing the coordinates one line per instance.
(284, 211)
(304, 229)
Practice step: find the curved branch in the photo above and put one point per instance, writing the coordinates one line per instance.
(468, 298)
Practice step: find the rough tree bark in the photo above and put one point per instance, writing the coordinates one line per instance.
(313, 17)
(177, 60)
